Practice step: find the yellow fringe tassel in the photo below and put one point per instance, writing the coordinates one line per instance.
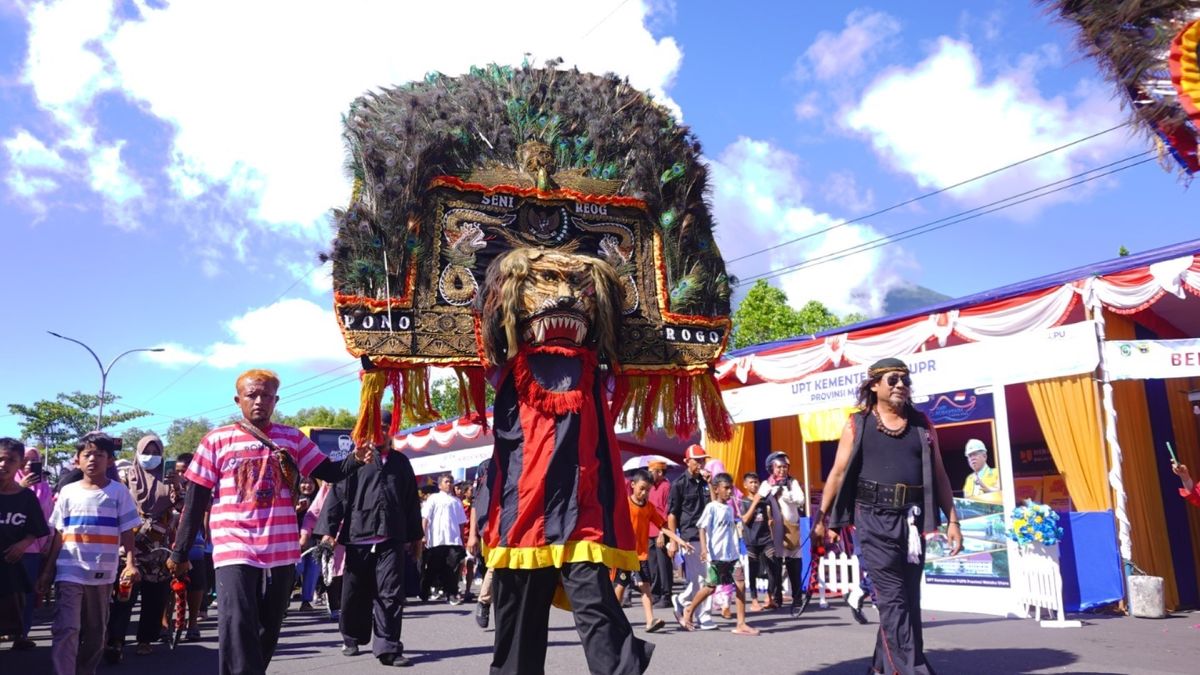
(369, 427)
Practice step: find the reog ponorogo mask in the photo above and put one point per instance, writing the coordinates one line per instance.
(451, 173)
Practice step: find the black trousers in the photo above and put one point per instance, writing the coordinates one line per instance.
(253, 602)
(522, 601)
(662, 572)
(442, 568)
(883, 549)
(373, 596)
(154, 601)
(761, 560)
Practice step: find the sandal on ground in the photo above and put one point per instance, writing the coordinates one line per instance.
(144, 648)
(745, 631)
(655, 626)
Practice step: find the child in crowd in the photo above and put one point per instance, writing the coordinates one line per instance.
(92, 516)
(756, 521)
(719, 549)
(21, 524)
(642, 513)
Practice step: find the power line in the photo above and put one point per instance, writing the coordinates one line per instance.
(606, 18)
(918, 198)
(934, 225)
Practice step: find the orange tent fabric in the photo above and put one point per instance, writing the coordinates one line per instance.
(1151, 547)
(1066, 410)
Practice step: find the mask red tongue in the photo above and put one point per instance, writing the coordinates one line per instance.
(564, 332)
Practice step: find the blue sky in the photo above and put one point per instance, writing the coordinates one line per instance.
(166, 168)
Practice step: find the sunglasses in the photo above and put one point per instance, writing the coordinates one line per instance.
(895, 378)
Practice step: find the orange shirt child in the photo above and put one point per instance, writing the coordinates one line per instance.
(642, 516)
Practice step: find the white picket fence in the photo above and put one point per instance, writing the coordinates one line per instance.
(1039, 586)
(839, 573)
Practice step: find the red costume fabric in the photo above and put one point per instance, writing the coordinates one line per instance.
(555, 479)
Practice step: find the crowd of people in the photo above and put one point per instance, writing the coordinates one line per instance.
(258, 517)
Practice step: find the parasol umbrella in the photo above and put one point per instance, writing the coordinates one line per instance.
(643, 461)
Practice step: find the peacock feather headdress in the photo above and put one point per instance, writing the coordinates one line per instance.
(451, 172)
(1148, 49)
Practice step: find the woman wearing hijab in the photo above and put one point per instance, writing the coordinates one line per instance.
(152, 539)
(785, 499)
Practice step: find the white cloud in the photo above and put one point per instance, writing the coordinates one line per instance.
(942, 123)
(758, 201)
(173, 355)
(259, 109)
(839, 55)
(841, 188)
(289, 332)
(28, 152)
(808, 107)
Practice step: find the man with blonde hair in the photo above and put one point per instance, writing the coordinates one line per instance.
(248, 473)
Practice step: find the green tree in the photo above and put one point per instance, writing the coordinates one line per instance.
(184, 436)
(319, 416)
(1122, 252)
(56, 425)
(765, 315)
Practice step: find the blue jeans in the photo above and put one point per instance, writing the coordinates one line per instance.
(32, 563)
(309, 571)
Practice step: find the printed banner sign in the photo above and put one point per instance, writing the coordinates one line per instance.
(1065, 350)
(1152, 359)
(983, 560)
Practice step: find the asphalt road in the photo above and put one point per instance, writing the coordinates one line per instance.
(444, 639)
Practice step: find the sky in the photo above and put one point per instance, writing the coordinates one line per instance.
(167, 168)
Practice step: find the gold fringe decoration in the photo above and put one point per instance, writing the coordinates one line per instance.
(369, 427)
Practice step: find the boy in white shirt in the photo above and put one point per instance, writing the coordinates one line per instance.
(719, 549)
(91, 517)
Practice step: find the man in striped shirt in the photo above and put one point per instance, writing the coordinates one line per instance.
(92, 517)
(247, 473)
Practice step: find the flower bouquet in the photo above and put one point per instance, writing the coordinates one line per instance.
(1034, 523)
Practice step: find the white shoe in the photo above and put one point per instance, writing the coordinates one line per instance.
(677, 605)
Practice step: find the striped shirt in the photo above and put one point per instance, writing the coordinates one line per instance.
(252, 520)
(91, 523)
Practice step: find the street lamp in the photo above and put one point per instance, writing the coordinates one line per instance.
(104, 371)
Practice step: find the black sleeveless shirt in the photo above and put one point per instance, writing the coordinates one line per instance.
(891, 460)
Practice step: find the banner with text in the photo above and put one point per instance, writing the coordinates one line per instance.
(1039, 355)
(1152, 359)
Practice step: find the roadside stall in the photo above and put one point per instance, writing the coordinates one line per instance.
(1019, 370)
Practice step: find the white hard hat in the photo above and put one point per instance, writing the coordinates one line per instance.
(975, 445)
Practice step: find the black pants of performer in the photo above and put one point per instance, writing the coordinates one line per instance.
(662, 573)
(522, 601)
(333, 594)
(373, 596)
(442, 568)
(252, 605)
(154, 601)
(762, 559)
(883, 549)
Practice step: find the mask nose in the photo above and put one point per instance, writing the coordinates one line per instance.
(565, 302)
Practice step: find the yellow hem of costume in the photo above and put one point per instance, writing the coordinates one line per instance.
(556, 555)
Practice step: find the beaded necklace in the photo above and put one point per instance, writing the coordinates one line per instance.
(883, 429)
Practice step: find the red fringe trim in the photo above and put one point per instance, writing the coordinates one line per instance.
(530, 392)
(674, 401)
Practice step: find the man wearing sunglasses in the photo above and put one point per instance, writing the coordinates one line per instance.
(889, 482)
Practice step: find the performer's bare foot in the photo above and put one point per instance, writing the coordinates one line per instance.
(743, 629)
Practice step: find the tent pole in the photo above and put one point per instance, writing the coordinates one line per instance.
(1115, 474)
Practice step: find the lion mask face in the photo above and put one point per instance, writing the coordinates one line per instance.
(545, 297)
